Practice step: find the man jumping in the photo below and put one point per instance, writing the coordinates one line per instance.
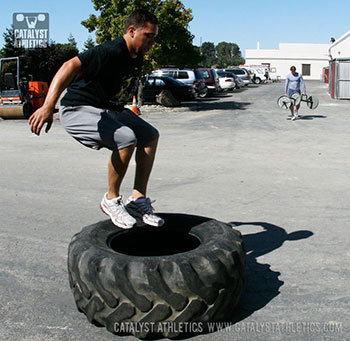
(99, 82)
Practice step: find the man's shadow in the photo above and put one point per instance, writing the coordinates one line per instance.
(311, 117)
(262, 283)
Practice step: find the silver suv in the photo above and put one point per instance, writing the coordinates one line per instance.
(241, 73)
(186, 76)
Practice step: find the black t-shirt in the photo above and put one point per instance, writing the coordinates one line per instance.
(107, 79)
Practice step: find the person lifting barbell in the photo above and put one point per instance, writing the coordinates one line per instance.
(292, 86)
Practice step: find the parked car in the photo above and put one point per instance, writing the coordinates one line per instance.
(226, 80)
(241, 73)
(211, 80)
(186, 76)
(259, 75)
(239, 82)
(153, 85)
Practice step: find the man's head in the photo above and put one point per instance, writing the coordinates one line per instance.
(140, 30)
(293, 69)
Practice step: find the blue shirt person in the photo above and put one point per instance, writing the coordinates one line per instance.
(293, 82)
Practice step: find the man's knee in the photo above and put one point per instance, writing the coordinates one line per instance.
(124, 137)
(151, 137)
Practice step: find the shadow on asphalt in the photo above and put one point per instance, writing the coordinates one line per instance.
(262, 283)
(208, 105)
(311, 117)
(307, 117)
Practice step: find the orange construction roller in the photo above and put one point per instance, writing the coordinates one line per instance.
(134, 107)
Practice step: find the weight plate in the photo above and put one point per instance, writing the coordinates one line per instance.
(296, 98)
(284, 102)
(312, 102)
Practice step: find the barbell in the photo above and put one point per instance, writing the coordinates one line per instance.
(295, 98)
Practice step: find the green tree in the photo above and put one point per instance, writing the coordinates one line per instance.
(12, 45)
(43, 63)
(229, 54)
(89, 44)
(174, 42)
(72, 41)
(40, 63)
(208, 53)
(237, 55)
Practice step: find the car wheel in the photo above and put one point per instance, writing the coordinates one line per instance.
(257, 80)
(190, 270)
(204, 93)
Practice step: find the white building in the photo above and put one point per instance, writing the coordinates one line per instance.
(309, 59)
(341, 47)
(339, 67)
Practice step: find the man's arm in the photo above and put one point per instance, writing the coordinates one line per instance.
(286, 85)
(303, 84)
(62, 79)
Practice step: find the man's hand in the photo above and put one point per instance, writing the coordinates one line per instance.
(39, 118)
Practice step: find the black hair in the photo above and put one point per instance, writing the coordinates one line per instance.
(139, 18)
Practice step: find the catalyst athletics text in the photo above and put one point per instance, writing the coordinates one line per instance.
(159, 327)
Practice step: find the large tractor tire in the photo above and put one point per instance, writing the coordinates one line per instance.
(167, 99)
(158, 282)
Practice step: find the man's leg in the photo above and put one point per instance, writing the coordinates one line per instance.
(138, 205)
(117, 167)
(292, 109)
(112, 202)
(144, 163)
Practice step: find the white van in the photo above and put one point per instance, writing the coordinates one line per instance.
(273, 74)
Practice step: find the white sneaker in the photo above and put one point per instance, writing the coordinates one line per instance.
(294, 118)
(115, 209)
(143, 211)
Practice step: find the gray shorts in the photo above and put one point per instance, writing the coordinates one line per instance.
(291, 91)
(97, 128)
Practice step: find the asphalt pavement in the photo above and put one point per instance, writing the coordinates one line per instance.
(236, 158)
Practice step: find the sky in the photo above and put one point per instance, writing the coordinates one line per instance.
(243, 22)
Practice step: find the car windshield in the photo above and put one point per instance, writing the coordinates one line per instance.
(204, 74)
(160, 82)
(231, 74)
(198, 74)
(237, 71)
(168, 73)
(225, 74)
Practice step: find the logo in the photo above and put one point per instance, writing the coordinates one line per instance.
(31, 29)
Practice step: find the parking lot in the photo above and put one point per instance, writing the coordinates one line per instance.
(234, 157)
